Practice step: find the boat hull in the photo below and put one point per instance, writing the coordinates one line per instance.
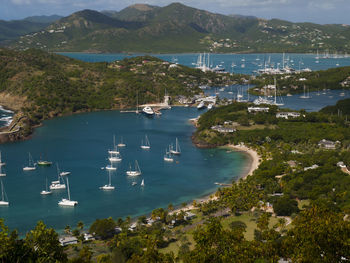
(4, 203)
(66, 202)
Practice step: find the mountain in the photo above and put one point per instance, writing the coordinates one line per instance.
(43, 19)
(10, 30)
(180, 28)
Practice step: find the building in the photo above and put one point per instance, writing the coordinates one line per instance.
(222, 129)
(88, 237)
(189, 216)
(68, 240)
(287, 115)
(341, 165)
(258, 109)
(312, 167)
(326, 144)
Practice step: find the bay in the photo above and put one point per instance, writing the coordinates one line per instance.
(79, 144)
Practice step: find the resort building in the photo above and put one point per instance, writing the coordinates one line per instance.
(258, 109)
(287, 115)
(222, 129)
(341, 165)
(330, 145)
(312, 167)
(68, 240)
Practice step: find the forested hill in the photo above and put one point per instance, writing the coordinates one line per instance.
(180, 28)
(43, 85)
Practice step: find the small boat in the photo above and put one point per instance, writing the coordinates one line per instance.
(177, 150)
(201, 105)
(57, 185)
(31, 165)
(121, 144)
(167, 156)
(67, 202)
(134, 183)
(145, 144)
(210, 106)
(108, 186)
(115, 148)
(289, 95)
(111, 167)
(1, 163)
(3, 201)
(136, 171)
(143, 182)
(1, 172)
(44, 163)
(148, 111)
(114, 158)
(46, 191)
(64, 173)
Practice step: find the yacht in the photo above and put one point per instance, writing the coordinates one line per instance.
(177, 150)
(148, 111)
(115, 148)
(108, 186)
(201, 105)
(67, 202)
(46, 191)
(121, 144)
(167, 156)
(3, 201)
(31, 166)
(210, 106)
(145, 144)
(44, 163)
(114, 158)
(57, 185)
(136, 171)
(111, 167)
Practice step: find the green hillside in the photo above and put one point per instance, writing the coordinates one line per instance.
(179, 28)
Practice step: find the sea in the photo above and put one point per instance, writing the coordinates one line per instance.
(79, 144)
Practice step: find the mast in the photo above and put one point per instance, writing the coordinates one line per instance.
(109, 175)
(2, 192)
(276, 89)
(68, 189)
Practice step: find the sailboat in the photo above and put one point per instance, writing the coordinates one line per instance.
(136, 171)
(67, 202)
(121, 144)
(3, 201)
(110, 167)
(275, 102)
(115, 148)
(305, 96)
(64, 173)
(31, 166)
(1, 163)
(108, 186)
(145, 145)
(1, 172)
(177, 150)
(57, 185)
(114, 157)
(46, 191)
(143, 182)
(167, 156)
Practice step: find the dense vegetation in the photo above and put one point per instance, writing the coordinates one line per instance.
(178, 28)
(312, 81)
(49, 85)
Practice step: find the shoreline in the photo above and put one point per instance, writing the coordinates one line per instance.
(254, 162)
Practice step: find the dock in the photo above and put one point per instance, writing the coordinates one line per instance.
(222, 184)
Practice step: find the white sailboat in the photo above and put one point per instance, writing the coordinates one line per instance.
(1, 163)
(305, 96)
(31, 166)
(57, 185)
(148, 111)
(167, 156)
(201, 105)
(145, 144)
(114, 157)
(115, 148)
(136, 171)
(110, 167)
(143, 182)
(3, 201)
(177, 150)
(121, 144)
(1, 172)
(108, 186)
(67, 202)
(46, 191)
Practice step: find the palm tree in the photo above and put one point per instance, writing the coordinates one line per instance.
(67, 229)
(80, 225)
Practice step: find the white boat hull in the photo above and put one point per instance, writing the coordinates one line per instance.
(121, 145)
(115, 159)
(107, 187)
(66, 202)
(64, 173)
(4, 203)
(29, 168)
(145, 147)
(133, 173)
(2, 175)
(167, 159)
(57, 186)
(113, 152)
(175, 152)
(45, 192)
(111, 168)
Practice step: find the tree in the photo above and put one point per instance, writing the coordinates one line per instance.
(170, 207)
(44, 242)
(285, 206)
(67, 229)
(80, 225)
(103, 227)
(319, 235)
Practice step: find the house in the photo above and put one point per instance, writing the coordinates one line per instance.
(287, 115)
(133, 226)
(68, 240)
(328, 144)
(117, 230)
(341, 165)
(88, 237)
(222, 129)
(189, 216)
(258, 109)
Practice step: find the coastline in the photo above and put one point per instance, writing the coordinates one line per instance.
(254, 162)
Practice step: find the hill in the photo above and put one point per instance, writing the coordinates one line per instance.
(180, 28)
(40, 85)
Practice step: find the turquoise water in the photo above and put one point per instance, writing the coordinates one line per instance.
(252, 62)
(79, 143)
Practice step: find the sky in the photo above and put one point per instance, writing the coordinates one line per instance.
(316, 11)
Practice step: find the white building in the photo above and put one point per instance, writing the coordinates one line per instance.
(68, 240)
(258, 109)
(287, 115)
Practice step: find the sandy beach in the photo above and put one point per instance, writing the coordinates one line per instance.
(251, 167)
